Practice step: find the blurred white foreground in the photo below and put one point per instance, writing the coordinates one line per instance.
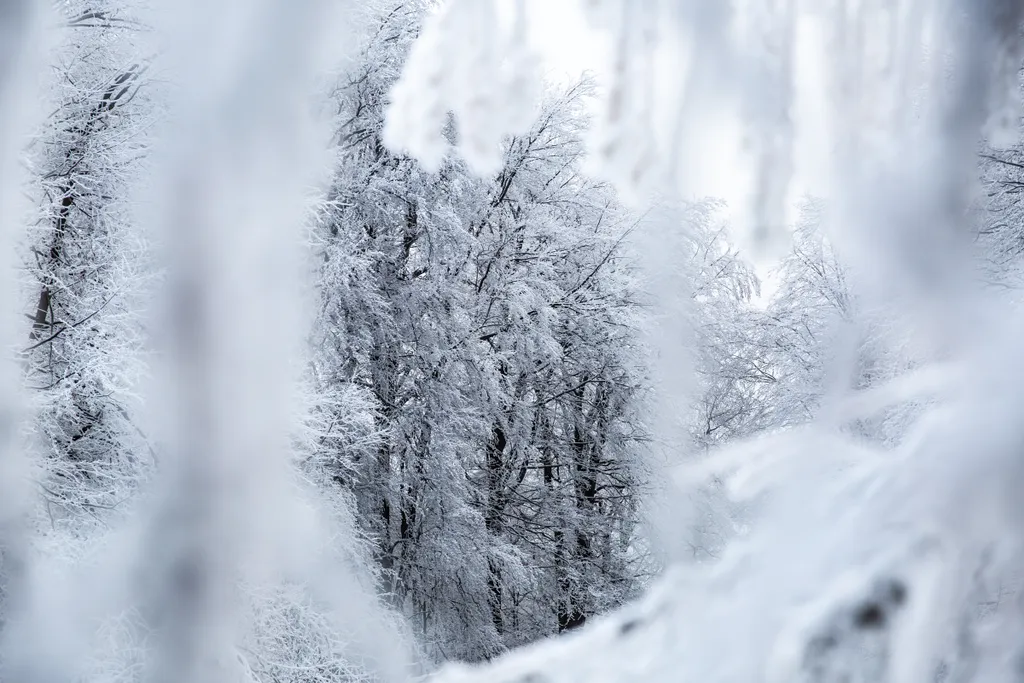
(864, 563)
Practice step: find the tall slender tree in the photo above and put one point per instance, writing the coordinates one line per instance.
(89, 268)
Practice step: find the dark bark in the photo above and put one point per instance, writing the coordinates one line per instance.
(496, 500)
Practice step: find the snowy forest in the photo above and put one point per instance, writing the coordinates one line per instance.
(344, 342)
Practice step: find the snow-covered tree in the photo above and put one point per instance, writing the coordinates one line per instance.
(493, 322)
(733, 363)
(88, 264)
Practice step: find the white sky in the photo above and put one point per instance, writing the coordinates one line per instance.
(561, 35)
(559, 32)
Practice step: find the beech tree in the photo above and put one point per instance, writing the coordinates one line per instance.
(89, 268)
(492, 321)
(733, 362)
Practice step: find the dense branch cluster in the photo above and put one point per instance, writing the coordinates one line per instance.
(492, 325)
